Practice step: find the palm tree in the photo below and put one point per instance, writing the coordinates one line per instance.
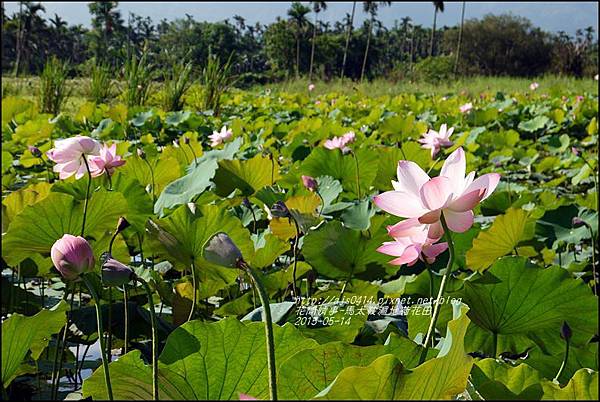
(29, 23)
(318, 6)
(298, 15)
(460, 31)
(371, 8)
(348, 40)
(437, 6)
(405, 24)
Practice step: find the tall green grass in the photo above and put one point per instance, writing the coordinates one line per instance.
(100, 83)
(176, 82)
(53, 86)
(216, 79)
(138, 79)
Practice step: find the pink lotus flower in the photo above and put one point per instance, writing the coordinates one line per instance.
(72, 256)
(68, 155)
(466, 107)
(311, 87)
(434, 140)
(317, 102)
(417, 195)
(310, 183)
(218, 138)
(534, 85)
(107, 161)
(413, 241)
(341, 142)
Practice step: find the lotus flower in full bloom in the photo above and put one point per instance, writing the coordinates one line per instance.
(341, 142)
(466, 107)
(72, 256)
(534, 85)
(452, 194)
(68, 155)
(311, 87)
(218, 138)
(413, 241)
(434, 140)
(107, 161)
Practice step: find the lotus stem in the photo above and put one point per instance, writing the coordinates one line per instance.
(296, 294)
(153, 322)
(100, 336)
(264, 299)
(55, 379)
(194, 292)
(436, 306)
(322, 203)
(357, 174)
(87, 195)
(564, 362)
(193, 153)
(126, 318)
(152, 178)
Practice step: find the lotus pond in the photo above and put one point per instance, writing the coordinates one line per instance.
(302, 246)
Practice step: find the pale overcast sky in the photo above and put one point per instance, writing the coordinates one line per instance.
(550, 16)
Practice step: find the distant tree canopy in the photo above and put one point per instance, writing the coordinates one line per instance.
(495, 45)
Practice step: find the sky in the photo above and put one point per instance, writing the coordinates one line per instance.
(550, 16)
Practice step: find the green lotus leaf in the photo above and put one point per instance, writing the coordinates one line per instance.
(204, 361)
(506, 233)
(526, 305)
(442, 377)
(21, 334)
(39, 225)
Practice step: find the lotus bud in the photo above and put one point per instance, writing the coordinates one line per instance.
(280, 210)
(72, 256)
(577, 222)
(565, 331)
(141, 153)
(122, 224)
(115, 273)
(310, 183)
(221, 250)
(35, 151)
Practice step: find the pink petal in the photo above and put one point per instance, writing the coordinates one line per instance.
(434, 250)
(410, 177)
(458, 221)
(410, 256)
(467, 201)
(436, 193)
(454, 168)
(400, 204)
(431, 217)
(436, 231)
(406, 228)
(487, 182)
(395, 248)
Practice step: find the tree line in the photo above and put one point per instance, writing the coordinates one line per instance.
(299, 44)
